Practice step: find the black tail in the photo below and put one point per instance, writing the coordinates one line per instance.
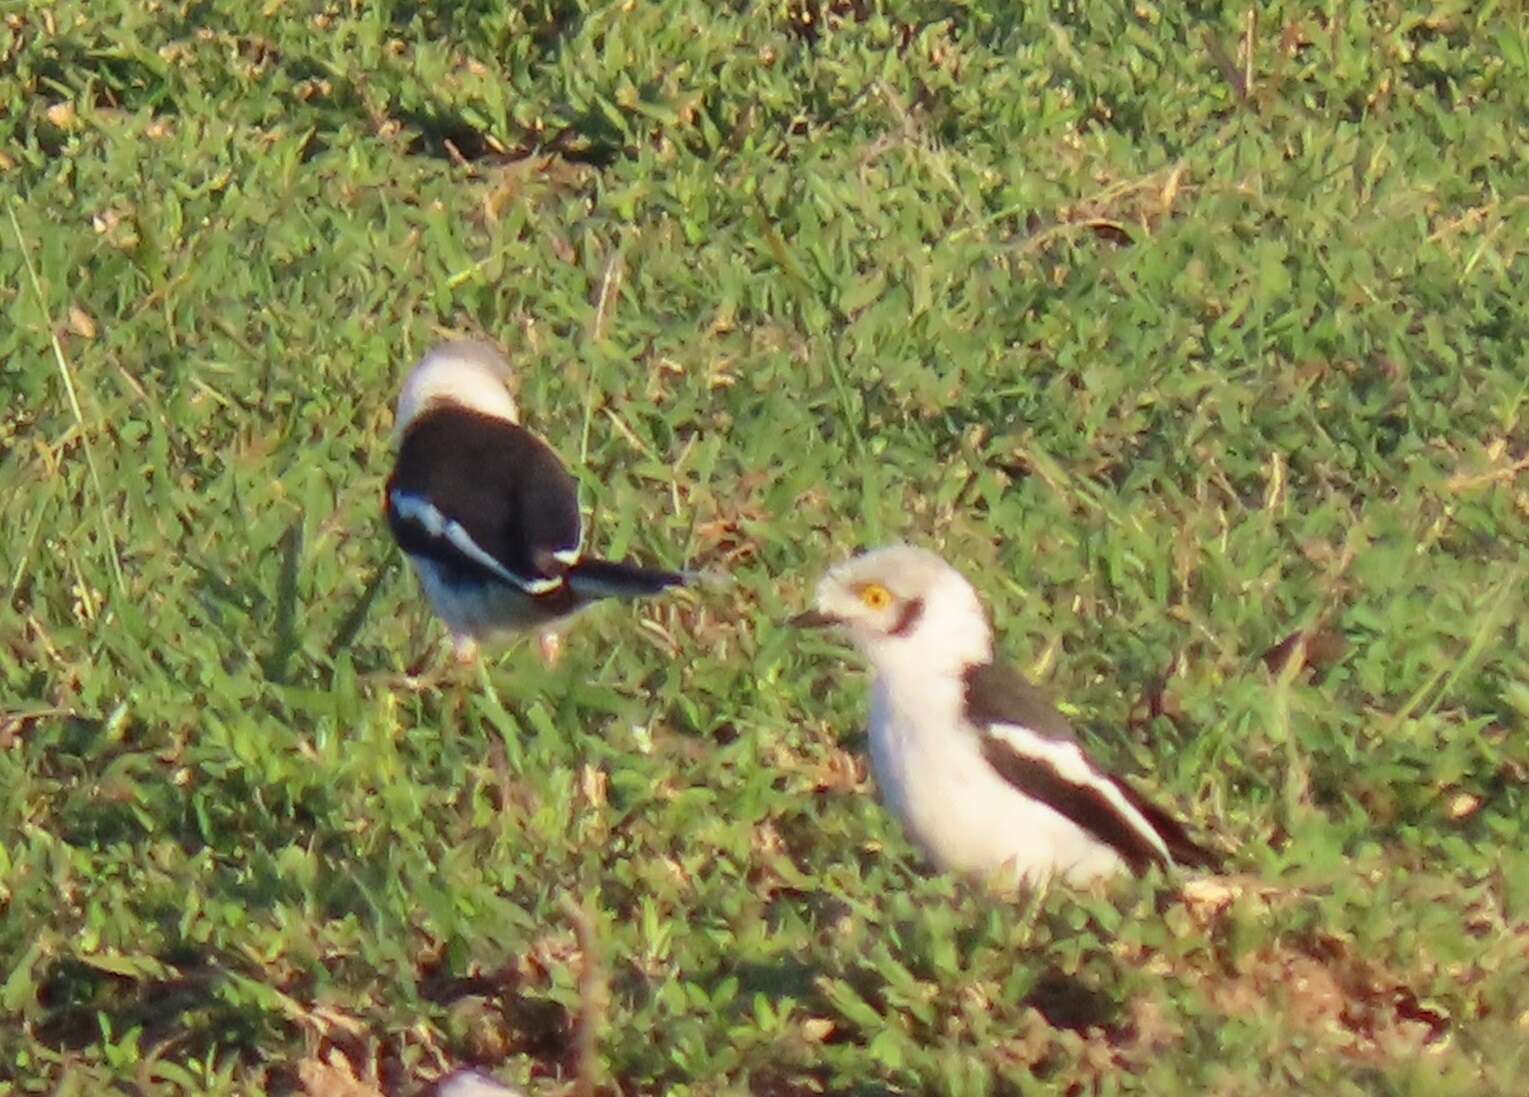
(608, 579)
(1185, 851)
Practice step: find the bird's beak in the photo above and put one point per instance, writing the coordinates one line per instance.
(814, 619)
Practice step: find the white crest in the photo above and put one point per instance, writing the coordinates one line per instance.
(949, 632)
(469, 374)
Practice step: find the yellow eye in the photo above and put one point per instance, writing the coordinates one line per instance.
(875, 596)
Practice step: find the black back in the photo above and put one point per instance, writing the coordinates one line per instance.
(504, 486)
(997, 694)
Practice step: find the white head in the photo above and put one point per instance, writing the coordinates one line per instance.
(905, 608)
(469, 374)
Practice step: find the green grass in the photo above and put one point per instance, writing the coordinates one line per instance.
(1179, 334)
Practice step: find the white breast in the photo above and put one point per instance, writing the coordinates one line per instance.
(932, 775)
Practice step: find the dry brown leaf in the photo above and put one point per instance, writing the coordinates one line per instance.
(817, 1029)
(594, 783)
(1463, 806)
(333, 1078)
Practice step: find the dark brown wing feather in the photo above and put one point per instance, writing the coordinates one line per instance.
(1184, 849)
(997, 694)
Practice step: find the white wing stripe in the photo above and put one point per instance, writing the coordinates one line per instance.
(423, 513)
(1068, 761)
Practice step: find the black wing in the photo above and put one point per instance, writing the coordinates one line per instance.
(996, 694)
(483, 495)
(1032, 746)
(1091, 800)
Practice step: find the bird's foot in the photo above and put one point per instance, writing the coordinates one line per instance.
(432, 672)
(550, 646)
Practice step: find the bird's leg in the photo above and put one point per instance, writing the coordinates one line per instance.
(550, 645)
(431, 672)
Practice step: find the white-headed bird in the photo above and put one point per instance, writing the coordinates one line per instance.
(487, 513)
(979, 767)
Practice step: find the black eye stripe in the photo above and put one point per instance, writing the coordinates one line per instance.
(907, 617)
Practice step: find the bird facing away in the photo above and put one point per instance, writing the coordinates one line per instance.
(486, 512)
(982, 771)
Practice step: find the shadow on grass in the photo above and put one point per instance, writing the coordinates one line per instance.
(1068, 1003)
(782, 978)
(186, 1011)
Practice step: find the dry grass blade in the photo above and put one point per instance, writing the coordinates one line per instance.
(333, 1079)
(592, 1000)
(67, 375)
